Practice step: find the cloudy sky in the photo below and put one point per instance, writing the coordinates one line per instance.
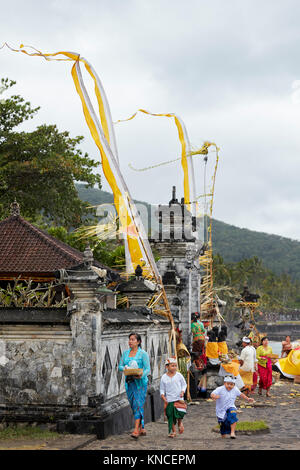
(230, 69)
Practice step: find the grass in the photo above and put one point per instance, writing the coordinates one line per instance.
(13, 432)
(249, 426)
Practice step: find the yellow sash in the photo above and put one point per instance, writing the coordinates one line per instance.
(222, 346)
(212, 350)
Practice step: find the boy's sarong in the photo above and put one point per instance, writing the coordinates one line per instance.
(265, 375)
(227, 421)
(173, 414)
(137, 397)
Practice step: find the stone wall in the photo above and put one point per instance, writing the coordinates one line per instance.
(278, 331)
(154, 331)
(63, 363)
(64, 368)
(35, 362)
(289, 315)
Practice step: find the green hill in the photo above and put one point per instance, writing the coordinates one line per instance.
(280, 254)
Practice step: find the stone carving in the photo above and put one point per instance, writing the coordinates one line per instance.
(119, 373)
(14, 209)
(106, 369)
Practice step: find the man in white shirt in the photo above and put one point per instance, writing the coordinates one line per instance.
(247, 366)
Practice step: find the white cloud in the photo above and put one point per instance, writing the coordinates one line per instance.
(229, 69)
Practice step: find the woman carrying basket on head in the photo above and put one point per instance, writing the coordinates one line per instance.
(136, 385)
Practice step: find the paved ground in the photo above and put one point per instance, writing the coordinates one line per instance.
(281, 412)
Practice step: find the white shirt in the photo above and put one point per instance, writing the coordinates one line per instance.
(226, 400)
(248, 358)
(171, 387)
(254, 354)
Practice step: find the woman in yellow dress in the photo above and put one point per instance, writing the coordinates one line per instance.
(264, 366)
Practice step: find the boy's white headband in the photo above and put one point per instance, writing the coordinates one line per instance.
(171, 360)
(228, 378)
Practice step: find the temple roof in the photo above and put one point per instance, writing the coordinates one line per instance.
(25, 248)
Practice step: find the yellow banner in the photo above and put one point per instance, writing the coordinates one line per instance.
(186, 157)
(102, 131)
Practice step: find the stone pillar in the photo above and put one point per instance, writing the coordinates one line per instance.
(178, 247)
(183, 256)
(86, 318)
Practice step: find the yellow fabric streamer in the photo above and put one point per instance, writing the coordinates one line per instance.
(186, 157)
(103, 134)
(137, 246)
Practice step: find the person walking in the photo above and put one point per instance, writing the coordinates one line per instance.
(225, 397)
(255, 376)
(172, 389)
(136, 385)
(247, 366)
(264, 366)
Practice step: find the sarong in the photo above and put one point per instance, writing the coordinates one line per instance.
(198, 346)
(265, 375)
(227, 421)
(254, 381)
(212, 350)
(247, 378)
(173, 414)
(137, 397)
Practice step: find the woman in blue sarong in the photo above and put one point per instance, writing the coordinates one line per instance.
(136, 386)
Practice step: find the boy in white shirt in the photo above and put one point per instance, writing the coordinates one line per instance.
(172, 388)
(225, 405)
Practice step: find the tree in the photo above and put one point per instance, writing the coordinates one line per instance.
(276, 292)
(39, 168)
